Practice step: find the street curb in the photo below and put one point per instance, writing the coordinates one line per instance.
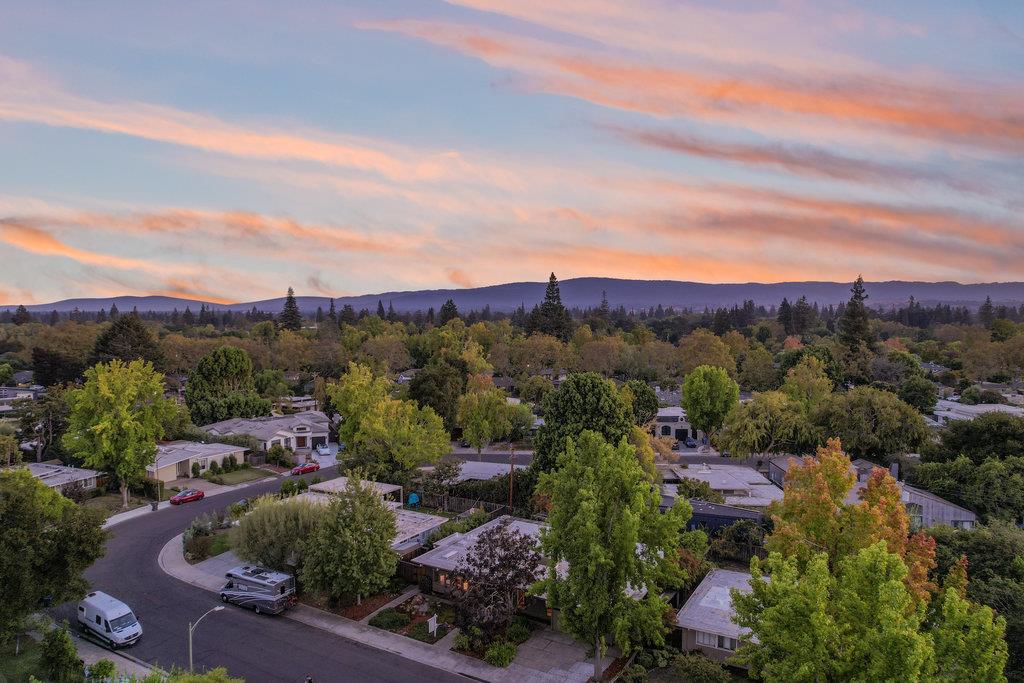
(164, 505)
(125, 655)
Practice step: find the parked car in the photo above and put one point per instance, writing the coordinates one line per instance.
(691, 442)
(307, 468)
(323, 449)
(108, 619)
(187, 496)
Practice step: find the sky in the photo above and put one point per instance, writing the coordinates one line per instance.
(228, 150)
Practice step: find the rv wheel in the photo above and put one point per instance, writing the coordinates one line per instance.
(257, 609)
(223, 597)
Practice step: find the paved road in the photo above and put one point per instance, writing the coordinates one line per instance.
(257, 648)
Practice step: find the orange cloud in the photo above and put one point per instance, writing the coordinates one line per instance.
(458, 277)
(985, 118)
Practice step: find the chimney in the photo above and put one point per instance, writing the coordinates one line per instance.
(894, 470)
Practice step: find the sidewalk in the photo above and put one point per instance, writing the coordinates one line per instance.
(174, 564)
(90, 653)
(146, 509)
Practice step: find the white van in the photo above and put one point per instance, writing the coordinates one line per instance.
(109, 619)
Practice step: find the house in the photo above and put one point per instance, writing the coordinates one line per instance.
(299, 432)
(671, 422)
(712, 517)
(412, 529)
(481, 471)
(297, 403)
(10, 396)
(406, 376)
(741, 486)
(946, 410)
(506, 383)
(933, 368)
(924, 508)
(706, 622)
(174, 459)
(556, 377)
(24, 377)
(62, 478)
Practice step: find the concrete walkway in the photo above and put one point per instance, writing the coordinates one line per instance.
(90, 653)
(172, 561)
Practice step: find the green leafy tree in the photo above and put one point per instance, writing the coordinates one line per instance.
(396, 437)
(990, 435)
(770, 423)
(273, 532)
(349, 553)
(59, 658)
(355, 394)
(698, 489)
(438, 482)
(484, 417)
(221, 387)
(45, 420)
(534, 388)
(551, 317)
(708, 396)
(290, 317)
(52, 367)
(127, 339)
(970, 643)
(10, 453)
(6, 374)
(46, 543)
(583, 401)
(605, 524)
(860, 623)
(807, 383)
(757, 372)
(919, 392)
(641, 399)
(270, 384)
(116, 418)
(439, 386)
(871, 423)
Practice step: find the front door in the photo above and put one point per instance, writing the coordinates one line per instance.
(183, 469)
(300, 441)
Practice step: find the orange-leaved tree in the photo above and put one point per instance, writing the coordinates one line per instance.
(818, 514)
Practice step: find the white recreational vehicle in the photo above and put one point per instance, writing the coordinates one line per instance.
(108, 619)
(262, 590)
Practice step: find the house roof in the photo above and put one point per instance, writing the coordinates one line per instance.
(953, 410)
(265, 428)
(59, 475)
(709, 609)
(409, 524)
(339, 484)
(449, 552)
(703, 507)
(742, 486)
(175, 451)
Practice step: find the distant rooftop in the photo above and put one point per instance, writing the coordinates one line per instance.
(265, 428)
(176, 451)
(449, 552)
(741, 486)
(338, 485)
(56, 476)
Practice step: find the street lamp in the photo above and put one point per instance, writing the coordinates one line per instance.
(192, 627)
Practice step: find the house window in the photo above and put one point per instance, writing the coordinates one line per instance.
(916, 514)
(204, 463)
(716, 641)
(963, 524)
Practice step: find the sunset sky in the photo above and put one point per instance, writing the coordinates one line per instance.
(224, 151)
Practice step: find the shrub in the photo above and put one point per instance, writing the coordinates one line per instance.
(458, 526)
(699, 669)
(301, 485)
(390, 620)
(654, 658)
(59, 658)
(518, 633)
(633, 673)
(420, 632)
(103, 670)
(215, 467)
(462, 642)
(231, 464)
(289, 488)
(195, 470)
(500, 653)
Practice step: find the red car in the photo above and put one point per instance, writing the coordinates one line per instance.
(187, 496)
(305, 469)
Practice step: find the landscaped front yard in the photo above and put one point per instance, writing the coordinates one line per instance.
(411, 617)
(242, 476)
(18, 668)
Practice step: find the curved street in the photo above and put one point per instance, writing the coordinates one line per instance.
(257, 648)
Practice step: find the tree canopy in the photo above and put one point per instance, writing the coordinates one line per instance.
(221, 387)
(290, 317)
(127, 339)
(708, 396)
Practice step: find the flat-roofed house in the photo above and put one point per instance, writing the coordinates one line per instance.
(300, 432)
(741, 486)
(62, 478)
(948, 411)
(706, 619)
(174, 459)
(412, 528)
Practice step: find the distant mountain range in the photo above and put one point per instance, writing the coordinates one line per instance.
(586, 292)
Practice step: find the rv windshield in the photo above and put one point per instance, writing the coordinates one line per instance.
(123, 621)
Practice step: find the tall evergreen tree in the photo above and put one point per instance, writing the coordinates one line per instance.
(854, 326)
(449, 311)
(290, 318)
(785, 316)
(348, 314)
(331, 312)
(114, 313)
(986, 313)
(551, 317)
(380, 309)
(21, 316)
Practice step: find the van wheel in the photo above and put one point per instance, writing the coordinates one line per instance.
(257, 609)
(223, 597)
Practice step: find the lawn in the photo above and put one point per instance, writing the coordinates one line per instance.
(205, 547)
(410, 618)
(243, 475)
(16, 669)
(110, 503)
